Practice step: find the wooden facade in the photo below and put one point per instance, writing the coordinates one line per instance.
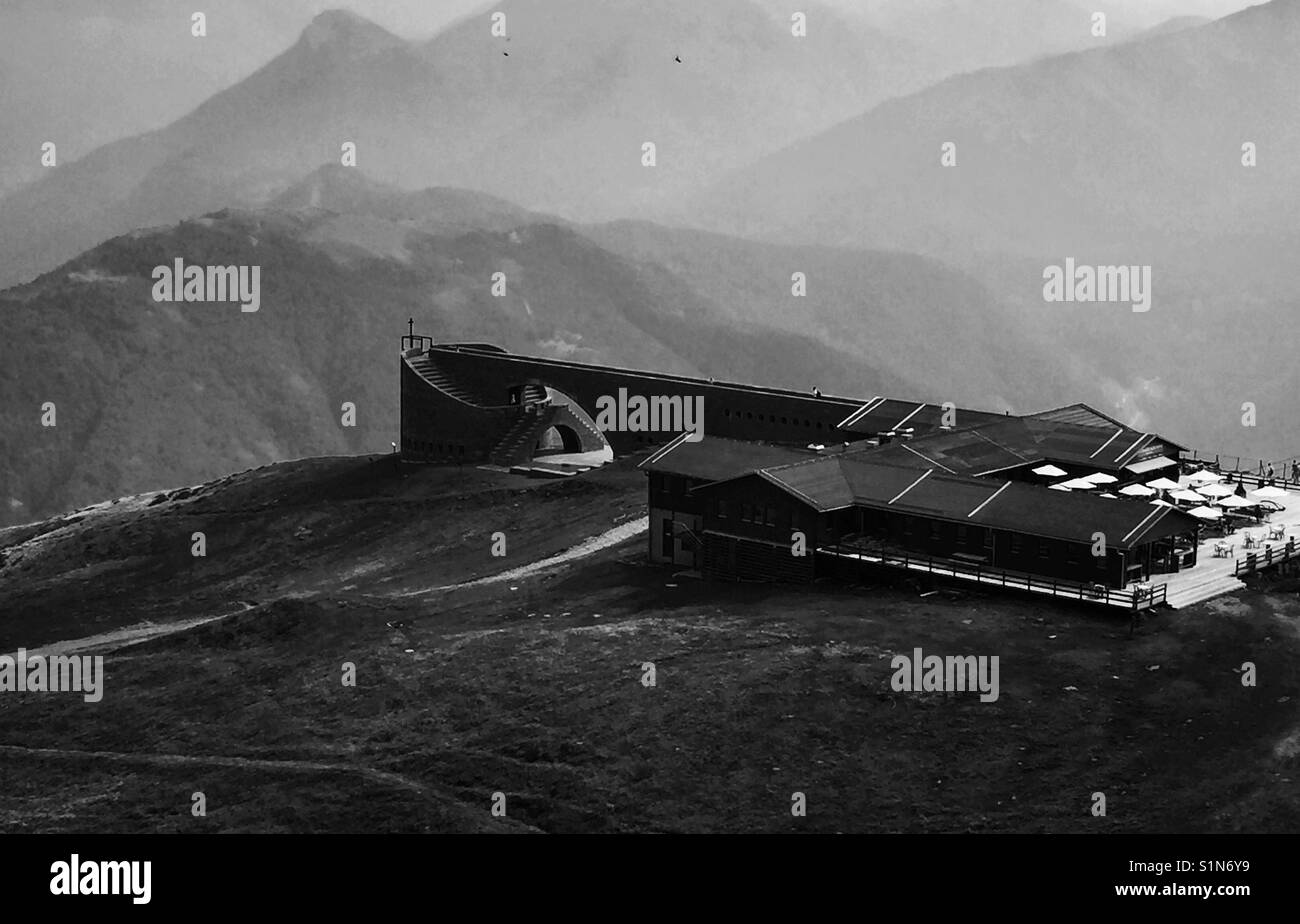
(747, 525)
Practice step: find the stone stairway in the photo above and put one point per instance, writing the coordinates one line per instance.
(429, 371)
(517, 444)
(579, 421)
(1202, 589)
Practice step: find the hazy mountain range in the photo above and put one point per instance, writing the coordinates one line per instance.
(82, 73)
(1107, 147)
(1131, 154)
(154, 393)
(552, 116)
(817, 155)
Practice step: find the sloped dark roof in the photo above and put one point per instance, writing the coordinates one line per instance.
(969, 452)
(1079, 414)
(715, 458)
(860, 479)
(1008, 442)
(881, 415)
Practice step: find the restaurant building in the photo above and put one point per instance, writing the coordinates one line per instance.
(971, 497)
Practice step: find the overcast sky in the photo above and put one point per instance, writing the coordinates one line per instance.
(422, 18)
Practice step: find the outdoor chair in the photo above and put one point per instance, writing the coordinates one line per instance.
(1250, 540)
(1277, 532)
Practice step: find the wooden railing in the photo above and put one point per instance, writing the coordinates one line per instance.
(1269, 557)
(1250, 468)
(1136, 598)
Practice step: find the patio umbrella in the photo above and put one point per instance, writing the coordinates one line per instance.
(1269, 491)
(1049, 471)
(1206, 513)
(1108, 494)
(1201, 478)
(1184, 495)
(1161, 503)
(1078, 484)
(1233, 500)
(1217, 490)
(1137, 490)
(1057, 487)
(1164, 484)
(1100, 478)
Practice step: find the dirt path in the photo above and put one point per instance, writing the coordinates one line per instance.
(611, 537)
(132, 635)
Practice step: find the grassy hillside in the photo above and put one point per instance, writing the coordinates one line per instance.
(531, 686)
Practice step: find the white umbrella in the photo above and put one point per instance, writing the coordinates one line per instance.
(1233, 500)
(1217, 490)
(1161, 503)
(1206, 513)
(1269, 491)
(1108, 494)
(1057, 487)
(1201, 478)
(1100, 478)
(1137, 490)
(1184, 495)
(1078, 484)
(1049, 471)
(1164, 484)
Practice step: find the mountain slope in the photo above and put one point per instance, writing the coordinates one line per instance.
(1092, 149)
(552, 117)
(1127, 155)
(151, 394)
(899, 313)
(82, 73)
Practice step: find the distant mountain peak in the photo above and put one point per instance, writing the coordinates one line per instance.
(349, 32)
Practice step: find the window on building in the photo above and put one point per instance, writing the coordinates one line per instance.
(1017, 543)
(769, 516)
(936, 532)
(1044, 548)
(722, 509)
(961, 533)
(744, 513)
